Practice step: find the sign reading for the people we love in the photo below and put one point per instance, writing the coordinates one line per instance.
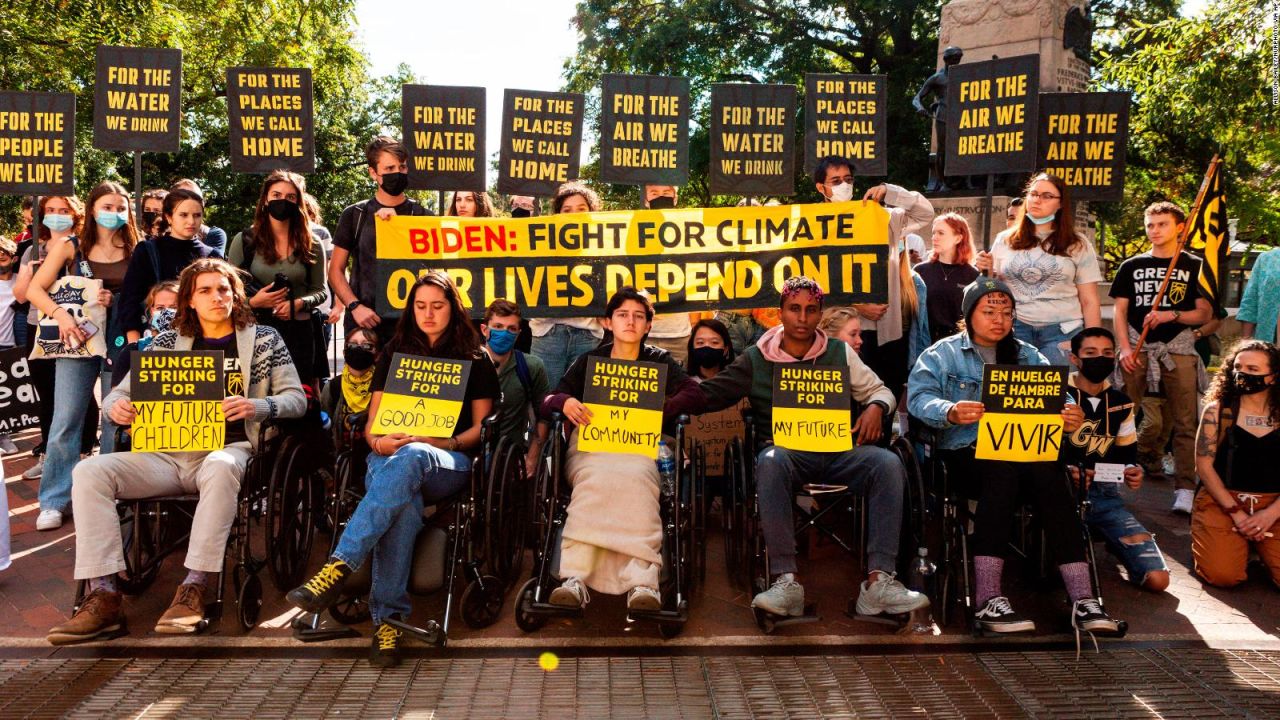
(644, 130)
(37, 143)
(178, 397)
(137, 99)
(422, 396)
(541, 139)
(625, 399)
(753, 139)
(444, 134)
(811, 407)
(270, 118)
(992, 115)
(845, 116)
(1022, 420)
(1083, 137)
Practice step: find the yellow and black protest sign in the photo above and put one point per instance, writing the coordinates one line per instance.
(444, 134)
(137, 99)
(1022, 421)
(992, 115)
(715, 431)
(270, 119)
(1083, 137)
(753, 138)
(541, 140)
(694, 259)
(812, 407)
(37, 143)
(845, 116)
(625, 399)
(644, 130)
(178, 396)
(422, 396)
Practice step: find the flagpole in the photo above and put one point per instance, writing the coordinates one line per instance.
(1182, 242)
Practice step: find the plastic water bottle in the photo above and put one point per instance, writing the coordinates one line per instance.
(325, 421)
(667, 468)
(922, 572)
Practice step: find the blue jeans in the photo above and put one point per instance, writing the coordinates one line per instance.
(389, 517)
(1045, 338)
(72, 392)
(866, 469)
(1110, 518)
(560, 347)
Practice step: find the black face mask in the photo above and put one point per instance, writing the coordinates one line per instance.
(520, 212)
(707, 357)
(662, 202)
(1097, 369)
(358, 358)
(395, 183)
(149, 219)
(282, 210)
(1248, 383)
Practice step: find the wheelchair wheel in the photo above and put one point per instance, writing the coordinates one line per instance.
(733, 515)
(248, 598)
(292, 500)
(505, 514)
(527, 621)
(142, 531)
(914, 502)
(481, 605)
(698, 516)
(350, 610)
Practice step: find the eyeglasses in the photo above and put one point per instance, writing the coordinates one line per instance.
(360, 346)
(1043, 196)
(847, 179)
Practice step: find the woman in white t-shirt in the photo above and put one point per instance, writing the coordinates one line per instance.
(1052, 271)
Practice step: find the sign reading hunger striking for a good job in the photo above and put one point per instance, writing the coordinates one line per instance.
(423, 396)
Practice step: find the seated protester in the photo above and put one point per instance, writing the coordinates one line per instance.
(843, 324)
(866, 468)
(946, 388)
(407, 472)
(351, 392)
(1109, 435)
(1237, 444)
(213, 314)
(710, 349)
(612, 540)
(523, 379)
(162, 307)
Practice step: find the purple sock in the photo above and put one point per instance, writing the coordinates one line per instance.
(986, 572)
(1076, 577)
(195, 577)
(106, 582)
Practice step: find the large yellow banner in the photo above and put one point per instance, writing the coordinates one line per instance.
(695, 259)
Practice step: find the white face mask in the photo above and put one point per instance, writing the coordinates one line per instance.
(842, 192)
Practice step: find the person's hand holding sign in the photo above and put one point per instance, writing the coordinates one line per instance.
(576, 412)
(876, 194)
(1072, 417)
(237, 408)
(984, 262)
(965, 412)
(870, 424)
(389, 444)
(872, 312)
(122, 413)
(1133, 476)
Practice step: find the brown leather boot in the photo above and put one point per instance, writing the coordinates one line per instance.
(99, 616)
(185, 612)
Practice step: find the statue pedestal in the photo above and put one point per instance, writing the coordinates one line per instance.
(1007, 28)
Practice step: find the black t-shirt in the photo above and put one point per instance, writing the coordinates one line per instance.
(363, 248)
(946, 283)
(1139, 279)
(233, 373)
(481, 383)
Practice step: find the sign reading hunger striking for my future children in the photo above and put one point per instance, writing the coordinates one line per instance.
(137, 99)
(625, 399)
(644, 130)
(845, 116)
(1022, 416)
(37, 143)
(270, 118)
(178, 397)
(688, 259)
(541, 139)
(443, 130)
(753, 138)
(811, 407)
(423, 396)
(992, 116)
(1082, 140)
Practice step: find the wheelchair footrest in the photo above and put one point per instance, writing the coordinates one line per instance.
(660, 616)
(894, 620)
(538, 608)
(311, 628)
(768, 621)
(432, 634)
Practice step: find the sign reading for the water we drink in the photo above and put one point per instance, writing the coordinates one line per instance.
(422, 396)
(811, 405)
(1023, 420)
(625, 399)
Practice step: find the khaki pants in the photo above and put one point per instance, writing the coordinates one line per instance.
(1183, 401)
(1157, 426)
(99, 481)
(678, 347)
(1221, 554)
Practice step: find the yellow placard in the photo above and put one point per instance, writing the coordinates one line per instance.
(621, 430)
(1019, 437)
(812, 430)
(178, 426)
(413, 415)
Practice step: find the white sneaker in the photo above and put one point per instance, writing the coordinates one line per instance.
(571, 593)
(1182, 501)
(49, 520)
(35, 471)
(784, 597)
(887, 595)
(644, 598)
(6, 445)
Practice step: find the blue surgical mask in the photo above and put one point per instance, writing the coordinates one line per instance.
(111, 220)
(162, 319)
(501, 341)
(57, 223)
(1040, 220)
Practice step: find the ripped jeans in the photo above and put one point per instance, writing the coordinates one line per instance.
(1110, 518)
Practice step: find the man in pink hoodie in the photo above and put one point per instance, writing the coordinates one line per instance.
(866, 468)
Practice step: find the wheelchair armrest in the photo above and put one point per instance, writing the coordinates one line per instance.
(683, 419)
(355, 421)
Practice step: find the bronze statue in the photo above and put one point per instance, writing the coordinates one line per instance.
(937, 85)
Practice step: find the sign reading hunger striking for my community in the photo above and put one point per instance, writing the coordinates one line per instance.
(687, 259)
(625, 399)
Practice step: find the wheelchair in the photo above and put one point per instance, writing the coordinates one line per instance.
(477, 533)
(833, 513)
(683, 535)
(281, 489)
